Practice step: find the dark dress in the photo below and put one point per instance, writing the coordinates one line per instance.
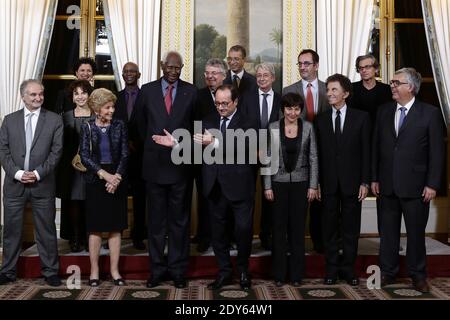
(70, 182)
(105, 212)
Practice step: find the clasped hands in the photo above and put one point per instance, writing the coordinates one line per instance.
(28, 177)
(112, 180)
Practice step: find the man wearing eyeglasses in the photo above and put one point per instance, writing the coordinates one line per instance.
(314, 93)
(215, 73)
(237, 76)
(368, 93)
(407, 166)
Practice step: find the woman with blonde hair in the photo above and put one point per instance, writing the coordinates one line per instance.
(104, 152)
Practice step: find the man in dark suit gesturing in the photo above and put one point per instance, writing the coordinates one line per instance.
(31, 142)
(228, 185)
(165, 105)
(407, 166)
(343, 136)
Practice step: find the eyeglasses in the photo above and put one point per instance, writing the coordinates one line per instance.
(396, 83)
(361, 68)
(222, 104)
(306, 63)
(212, 73)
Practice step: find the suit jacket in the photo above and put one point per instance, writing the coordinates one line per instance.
(204, 105)
(153, 118)
(346, 163)
(404, 165)
(46, 150)
(237, 181)
(250, 108)
(307, 167)
(246, 84)
(118, 143)
(323, 99)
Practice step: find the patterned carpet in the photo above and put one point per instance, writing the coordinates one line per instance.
(312, 289)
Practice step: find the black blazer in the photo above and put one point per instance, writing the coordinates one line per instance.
(237, 181)
(349, 161)
(404, 165)
(118, 139)
(204, 105)
(246, 84)
(249, 107)
(153, 119)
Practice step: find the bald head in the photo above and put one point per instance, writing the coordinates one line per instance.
(131, 74)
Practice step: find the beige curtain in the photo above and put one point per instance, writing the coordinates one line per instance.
(343, 31)
(436, 14)
(133, 32)
(26, 27)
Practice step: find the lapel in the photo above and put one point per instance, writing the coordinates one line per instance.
(275, 107)
(159, 100)
(234, 122)
(412, 114)
(328, 127)
(391, 120)
(180, 99)
(133, 112)
(20, 123)
(348, 125)
(39, 126)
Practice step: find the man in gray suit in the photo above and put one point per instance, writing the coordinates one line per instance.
(314, 93)
(31, 142)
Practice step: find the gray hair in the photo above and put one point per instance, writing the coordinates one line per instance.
(266, 66)
(25, 83)
(412, 77)
(167, 54)
(218, 63)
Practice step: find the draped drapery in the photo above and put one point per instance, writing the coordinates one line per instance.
(133, 34)
(26, 29)
(343, 33)
(436, 14)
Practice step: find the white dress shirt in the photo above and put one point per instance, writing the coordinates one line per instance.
(240, 74)
(216, 141)
(398, 112)
(34, 120)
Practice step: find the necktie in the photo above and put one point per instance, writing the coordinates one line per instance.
(265, 112)
(337, 125)
(309, 103)
(130, 104)
(168, 99)
(28, 141)
(402, 118)
(236, 81)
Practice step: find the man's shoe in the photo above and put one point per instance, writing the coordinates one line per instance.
(329, 281)
(244, 281)
(153, 282)
(421, 286)
(53, 281)
(5, 280)
(219, 282)
(387, 280)
(202, 246)
(139, 245)
(352, 281)
(179, 282)
(279, 283)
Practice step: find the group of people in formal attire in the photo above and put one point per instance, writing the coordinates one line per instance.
(331, 143)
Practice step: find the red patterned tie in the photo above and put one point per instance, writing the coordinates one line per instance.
(309, 103)
(168, 99)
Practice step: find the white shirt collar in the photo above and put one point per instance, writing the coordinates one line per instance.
(343, 110)
(314, 83)
(240, 74)
(230, 116)
(36, 112)
(270, 92)
(408, 105)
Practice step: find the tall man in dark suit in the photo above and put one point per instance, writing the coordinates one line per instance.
(31, 142)
(237, 76)
(126, 111)
(343, 136)
(407, 166)
(215, 73)
(314, 93)
(163, 106)
(228, 185)
(263, 106)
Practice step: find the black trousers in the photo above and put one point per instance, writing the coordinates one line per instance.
(415, 213)
(137, 191)
(265, 231)
(315, 224)
(218, 206)
(288, 220)
(346, 209)
(168, 215)
(203, 223)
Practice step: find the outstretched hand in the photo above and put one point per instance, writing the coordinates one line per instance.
(167, 140)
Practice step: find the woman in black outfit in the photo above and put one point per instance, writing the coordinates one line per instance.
(291, 187)
(104, 152)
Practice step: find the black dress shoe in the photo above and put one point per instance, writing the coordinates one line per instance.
(94, 282)
(220, 282)
(387, 280)
(5, 280)
(75, 246)
(421, 286)
(244, 281)
(153, 282)
(179, 282)
(352, 281)
(139, 245)
(53, 281)
(119, 282)
(296, 283)
(279, 283)
(329, 281)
